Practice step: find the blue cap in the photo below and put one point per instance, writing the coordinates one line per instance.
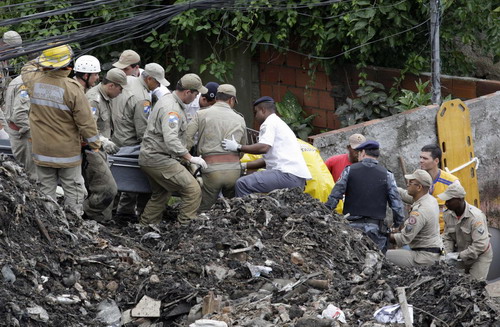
(212, 90)
(368, 145)
(263, 99)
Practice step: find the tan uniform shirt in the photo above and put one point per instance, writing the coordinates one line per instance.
(17, 106)
(130, 116)
(165, 138)
(421, 229)
(467, 234)
(100, 105)
(215, 124)
(60, 115)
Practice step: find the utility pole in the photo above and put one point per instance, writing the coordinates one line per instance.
(435, 56)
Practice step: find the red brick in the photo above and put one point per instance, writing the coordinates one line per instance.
(487, 87)
(308, 111)
(326, 101)
(463, 88)
(293, 60)
(329, 85)
(278, 92)
(305, 62)
(332, 120)
(311, 98)
(287, 76)
(320, 80)
(446, 86)
(409, 81)
(320, 120)
(266, 89)
(269, 73)
(302, 78)
(271, 57)
(299, 94)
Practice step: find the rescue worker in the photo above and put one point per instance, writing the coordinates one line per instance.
(202, 101)
(466, 238)
(281, 154)
(129, 62)
(17, 107)
(10, 40)
(100, 182)
(87, 69)
(163, 147)
(430, 157)
(368, 188)
(59, 117)
(128, 113)
(153, 76)
(213, 125)
(336, 164)
(421, 230)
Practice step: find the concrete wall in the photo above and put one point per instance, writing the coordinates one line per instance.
(404, 134)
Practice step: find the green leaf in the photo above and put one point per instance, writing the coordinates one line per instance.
(149, 39)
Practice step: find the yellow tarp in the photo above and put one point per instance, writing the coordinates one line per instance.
(322, 183)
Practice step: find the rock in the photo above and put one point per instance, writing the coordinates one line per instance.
(38, 313)
(297, 259)
(147, 307)
(112, 286)
(314, 322)
(154, 279)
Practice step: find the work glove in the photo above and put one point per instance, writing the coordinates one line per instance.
(231, 145)
(109, 146)
(451, 257)
(198, 161)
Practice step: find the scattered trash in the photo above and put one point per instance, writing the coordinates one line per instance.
(38, 313)
(333, 313)
(147, 307)
(256, 271)
(392, 314)
(109, 313)
(208, 323)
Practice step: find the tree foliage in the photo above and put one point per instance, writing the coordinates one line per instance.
(391, 33)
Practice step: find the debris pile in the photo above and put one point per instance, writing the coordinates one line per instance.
(280, 259)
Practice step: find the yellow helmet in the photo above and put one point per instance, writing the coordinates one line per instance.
(57, 57)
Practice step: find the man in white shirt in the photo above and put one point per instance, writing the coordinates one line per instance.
(281, 154)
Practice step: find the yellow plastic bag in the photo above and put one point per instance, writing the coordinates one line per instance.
(321, 184)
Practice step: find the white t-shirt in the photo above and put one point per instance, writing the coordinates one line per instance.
(284, 154)
(192, 108)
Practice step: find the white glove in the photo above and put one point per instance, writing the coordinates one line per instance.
(451, 257)
(231, 145)
(109, 146)
(198, 161)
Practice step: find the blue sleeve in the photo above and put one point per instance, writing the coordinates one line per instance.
(338, 190)
(395, 201)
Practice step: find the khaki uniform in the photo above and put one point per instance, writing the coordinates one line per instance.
(421, 233)
(100, 105)
(164, 142)
(213, 125)
(17, 107)
(130, 116)
(98, 178)
(60, 116)
(129, 202)
(4, 82)
(469, 236)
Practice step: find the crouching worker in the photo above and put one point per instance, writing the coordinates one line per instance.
(421, 230)
(368, 188)
(466, 237)
(281, 154)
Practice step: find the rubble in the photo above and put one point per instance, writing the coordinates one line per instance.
(263, 260)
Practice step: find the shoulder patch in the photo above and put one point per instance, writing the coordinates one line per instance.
(147, 107)
(94, 110)
(412, 220)
(414, 213)
(173, 113)
(23, 87)
(173, 119)
(478, 223)
(24, 94)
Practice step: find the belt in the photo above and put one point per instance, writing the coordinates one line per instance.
(218, 158)
(14, 126)
(432, 250)
(365, 220)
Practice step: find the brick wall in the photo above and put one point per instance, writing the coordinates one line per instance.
(279, 73)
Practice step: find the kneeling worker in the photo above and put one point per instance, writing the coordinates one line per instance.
(281, 154)
(421, 230)
(466, 237)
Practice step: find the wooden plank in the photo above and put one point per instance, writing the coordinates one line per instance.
(457, 144)
(404, 306)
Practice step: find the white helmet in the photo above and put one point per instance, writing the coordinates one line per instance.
(87, 64)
